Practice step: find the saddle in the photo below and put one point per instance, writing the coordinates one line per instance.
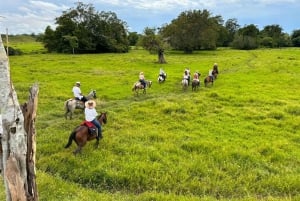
(92, 129)
(79, 103)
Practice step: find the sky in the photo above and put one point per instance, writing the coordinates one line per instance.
(33, 16)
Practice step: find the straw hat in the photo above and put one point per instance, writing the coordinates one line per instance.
(77, 83)
(90, 104)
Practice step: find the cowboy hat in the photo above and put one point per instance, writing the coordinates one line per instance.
(90, 104)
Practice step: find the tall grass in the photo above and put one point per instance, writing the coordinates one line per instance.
(236, 140)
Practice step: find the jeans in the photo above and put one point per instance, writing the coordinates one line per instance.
(98, 125)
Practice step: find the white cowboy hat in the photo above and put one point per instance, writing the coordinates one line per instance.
(90, 104)
(77, 82)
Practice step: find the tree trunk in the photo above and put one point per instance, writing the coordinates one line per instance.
(161, 57)
(17, 138)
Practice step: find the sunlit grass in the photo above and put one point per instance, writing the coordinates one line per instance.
(236, 140)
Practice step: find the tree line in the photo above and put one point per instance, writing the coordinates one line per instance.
(84, 30)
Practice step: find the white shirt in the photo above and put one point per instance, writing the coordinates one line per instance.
(90, 114)
(77, 92)
(210, 73)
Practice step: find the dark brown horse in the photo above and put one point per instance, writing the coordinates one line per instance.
(81, 134)
(195, 85)
(210, 79)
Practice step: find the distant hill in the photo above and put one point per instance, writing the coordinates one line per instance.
(23, 44)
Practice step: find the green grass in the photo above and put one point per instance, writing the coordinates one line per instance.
(236, 140)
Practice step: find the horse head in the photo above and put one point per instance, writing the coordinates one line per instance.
(149, 83)
(103, 117)
(94, 94)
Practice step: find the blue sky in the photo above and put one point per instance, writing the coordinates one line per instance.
(33, 16)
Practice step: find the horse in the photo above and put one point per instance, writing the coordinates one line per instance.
(161, 78)
(184, 84)
(138, 86)
(195, 84)
(215, 72)
(81, 134)
(72, 104)
(208, 80)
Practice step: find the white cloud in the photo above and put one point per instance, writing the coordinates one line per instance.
(28, 16)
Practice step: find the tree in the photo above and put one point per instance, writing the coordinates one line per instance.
(152, 42)
(232, 26)
(83, 30)
(246, 38)
(133, 38)
(73, 41)
(295, 37)
(274, 35)
(193, 30)
(17, 132)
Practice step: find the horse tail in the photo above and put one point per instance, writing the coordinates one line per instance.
(71, 138)
(133, 87)
(66, 105)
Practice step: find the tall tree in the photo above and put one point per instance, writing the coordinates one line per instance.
(295, 37)
(94, 31)
(232, 26)
(152, 42)
(193, 30)
(247, 38)
(273, 36)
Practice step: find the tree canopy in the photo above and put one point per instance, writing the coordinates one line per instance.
(84, 30)
(193, 30)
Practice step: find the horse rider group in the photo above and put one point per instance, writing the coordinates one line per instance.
(89, 111)
(211, 74)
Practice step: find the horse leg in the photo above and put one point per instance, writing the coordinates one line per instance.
(97, 143)
(78, 150)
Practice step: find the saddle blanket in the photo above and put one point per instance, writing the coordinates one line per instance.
(88, 124)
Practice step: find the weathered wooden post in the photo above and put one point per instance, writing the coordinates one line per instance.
(17, 129)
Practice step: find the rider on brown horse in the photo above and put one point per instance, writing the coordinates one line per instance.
(91, 116)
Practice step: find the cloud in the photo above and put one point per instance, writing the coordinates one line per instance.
(33, 16)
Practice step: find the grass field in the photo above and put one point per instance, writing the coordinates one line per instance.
(236, 140)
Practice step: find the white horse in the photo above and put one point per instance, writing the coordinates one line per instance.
(72, 104)
(184, 84)
(138, 86)
(162, 78)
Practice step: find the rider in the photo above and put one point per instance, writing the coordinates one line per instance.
(186, 76)
(187, 70)
(77, 92)
(216, 68)
(196, 76)
(210, 74)
(142, 79)
(91, 116)
(162, 73)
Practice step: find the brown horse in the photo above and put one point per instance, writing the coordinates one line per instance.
(210, 79)
(81, 134)
(195, 85)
